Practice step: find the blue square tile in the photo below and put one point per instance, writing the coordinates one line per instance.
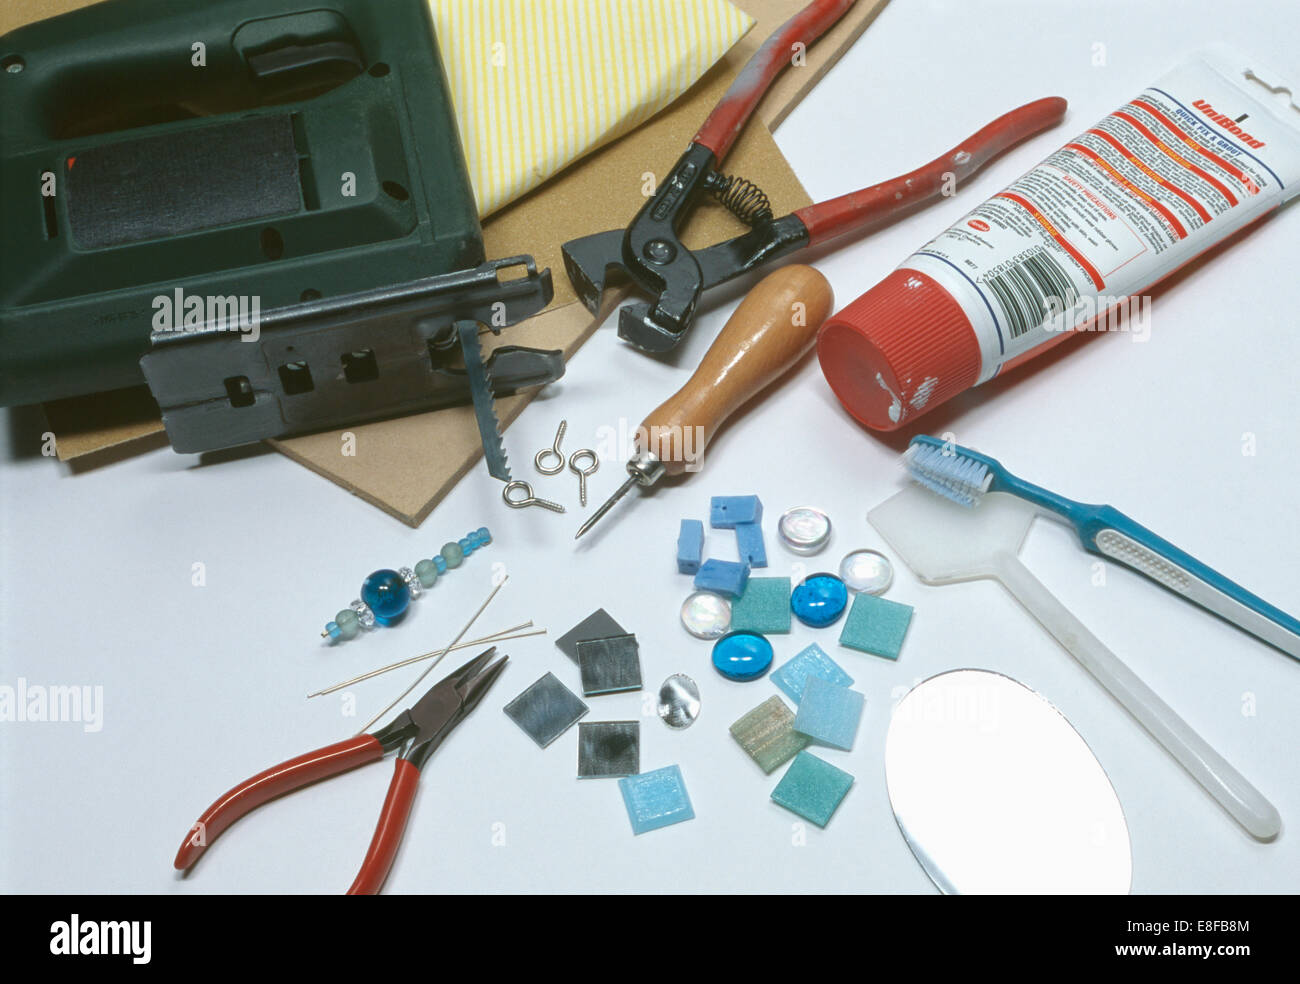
(793, 676)
(656, 799)
(876, 626)
(812, 788)
(829, 714)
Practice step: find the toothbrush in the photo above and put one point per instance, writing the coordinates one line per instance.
(964, 476)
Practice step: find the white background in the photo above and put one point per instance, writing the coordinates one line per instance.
(205, 686)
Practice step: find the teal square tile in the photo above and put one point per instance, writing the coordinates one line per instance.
(764, 606)
(812, 788)
(829, 714)
(656, 799)
(876, 626)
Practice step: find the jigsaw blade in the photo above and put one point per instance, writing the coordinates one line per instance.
(480, 387)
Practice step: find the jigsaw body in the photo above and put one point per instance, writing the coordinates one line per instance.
(258, 207)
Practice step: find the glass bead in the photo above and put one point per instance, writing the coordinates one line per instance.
(364, 615)
(867, 571)
(439, 563)
(804, 529)
(412, 582)
(466, 546)
(348, 623)
(427, 572)
(820, 600)
(332, 630)
(387, 594)
(706, 615)
(452, 554)
(742, 656)
(483, 532)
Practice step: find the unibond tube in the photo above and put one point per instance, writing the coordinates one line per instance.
(1212, 146)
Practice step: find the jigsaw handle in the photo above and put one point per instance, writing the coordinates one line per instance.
(774, 326)
(729, 116)
(871, 207)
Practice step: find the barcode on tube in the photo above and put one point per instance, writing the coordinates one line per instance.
(1032, 291)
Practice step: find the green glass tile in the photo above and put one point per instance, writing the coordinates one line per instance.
(767, 734)
(764, 606)
(812, 788)
(876, 626)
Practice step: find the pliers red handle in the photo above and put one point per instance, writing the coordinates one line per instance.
(744, 94)
(418, 731)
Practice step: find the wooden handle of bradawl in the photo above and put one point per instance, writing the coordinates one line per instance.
(768, 333)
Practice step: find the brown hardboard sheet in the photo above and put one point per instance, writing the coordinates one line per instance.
(406, 465)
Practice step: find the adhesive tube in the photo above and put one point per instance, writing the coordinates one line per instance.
(1211, 147)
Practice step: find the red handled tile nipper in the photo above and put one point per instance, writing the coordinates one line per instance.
(650, 253)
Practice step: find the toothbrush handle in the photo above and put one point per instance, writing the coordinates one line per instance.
(1242, 800)
(1114, 535)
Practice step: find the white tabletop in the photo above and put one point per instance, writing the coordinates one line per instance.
(205, 685)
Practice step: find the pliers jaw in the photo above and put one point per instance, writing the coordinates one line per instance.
(421, 729)
(589, 261)
(651, 254)
(660, 326)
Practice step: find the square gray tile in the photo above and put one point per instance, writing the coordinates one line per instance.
(597, 625)
(609, 666)
(609, 749)
(546, 710)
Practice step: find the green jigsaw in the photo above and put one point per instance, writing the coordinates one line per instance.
(258, 208)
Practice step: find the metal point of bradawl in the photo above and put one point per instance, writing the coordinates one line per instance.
(645, 469)
(609, 504)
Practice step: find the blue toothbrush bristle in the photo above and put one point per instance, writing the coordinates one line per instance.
(948, 472)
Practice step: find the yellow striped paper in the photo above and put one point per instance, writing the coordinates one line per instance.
(539, 83)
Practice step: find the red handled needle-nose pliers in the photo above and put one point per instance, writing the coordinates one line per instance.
(417, 731)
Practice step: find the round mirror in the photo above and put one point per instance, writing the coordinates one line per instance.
(996, 793)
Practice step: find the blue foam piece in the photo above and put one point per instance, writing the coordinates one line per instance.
(792, 677)
(829, 714)
(723, 576)
(812, 788)
(728, 511)
(749, 541)
(763, 607)
(656, 799)
(690, 546)
(876, 626)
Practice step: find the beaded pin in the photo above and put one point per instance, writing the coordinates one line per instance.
(386, 594)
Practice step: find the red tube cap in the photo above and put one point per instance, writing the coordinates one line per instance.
(900, 349)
